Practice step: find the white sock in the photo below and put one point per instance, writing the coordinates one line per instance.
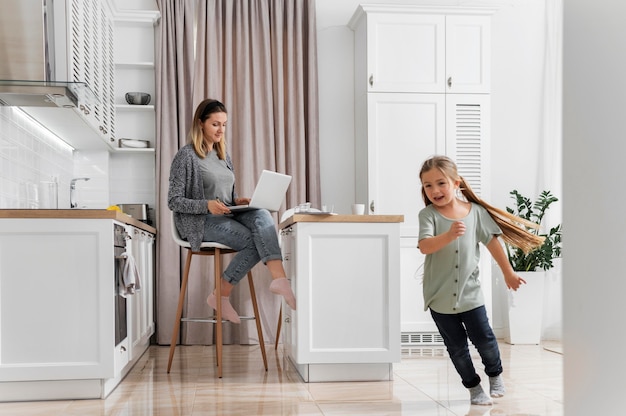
(496, 386)
(478, 396)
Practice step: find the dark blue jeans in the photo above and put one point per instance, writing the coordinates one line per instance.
(455, 329)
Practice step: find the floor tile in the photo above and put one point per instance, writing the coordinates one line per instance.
(424, 384)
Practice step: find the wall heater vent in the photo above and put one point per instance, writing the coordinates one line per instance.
(420, 338)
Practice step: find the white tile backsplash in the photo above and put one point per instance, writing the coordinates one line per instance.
(92, 164)
(30, 155)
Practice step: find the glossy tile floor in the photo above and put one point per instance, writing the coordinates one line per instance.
(425, 383)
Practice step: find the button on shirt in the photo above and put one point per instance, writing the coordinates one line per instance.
(451, 275)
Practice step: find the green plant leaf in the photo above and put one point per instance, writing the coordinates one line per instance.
(542, 257)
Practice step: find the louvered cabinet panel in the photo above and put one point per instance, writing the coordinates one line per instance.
(91, 61)
(401, 131)
(467, 138)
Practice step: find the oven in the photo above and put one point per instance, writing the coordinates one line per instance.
(119, 244)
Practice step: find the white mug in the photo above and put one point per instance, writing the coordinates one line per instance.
(358, 209)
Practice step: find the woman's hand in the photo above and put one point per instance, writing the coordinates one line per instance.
(242, 201)
(217, 207)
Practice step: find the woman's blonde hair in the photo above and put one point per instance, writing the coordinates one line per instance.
(203, 112)
(512, 226)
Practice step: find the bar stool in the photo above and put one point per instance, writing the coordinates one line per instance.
(216, 250)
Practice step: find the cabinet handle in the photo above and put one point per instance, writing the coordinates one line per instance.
(287, 320)
(371, 80)
(122, 348)
(449, 82)
(372, 206)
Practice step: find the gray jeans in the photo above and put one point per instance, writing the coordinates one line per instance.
(251, 233)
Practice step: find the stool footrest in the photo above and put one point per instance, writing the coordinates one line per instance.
(213, 319)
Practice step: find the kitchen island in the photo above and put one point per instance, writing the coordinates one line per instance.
(345, 272)
(66, 331)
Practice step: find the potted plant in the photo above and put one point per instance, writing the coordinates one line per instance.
(526, 304)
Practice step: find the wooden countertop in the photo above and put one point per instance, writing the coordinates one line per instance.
(339, 218)
(76, 214)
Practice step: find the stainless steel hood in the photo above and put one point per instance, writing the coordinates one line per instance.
(28, 58)
(37, 94)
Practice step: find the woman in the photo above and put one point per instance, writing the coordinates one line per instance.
(202, 187)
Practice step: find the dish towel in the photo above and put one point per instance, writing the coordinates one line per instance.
(130, 275)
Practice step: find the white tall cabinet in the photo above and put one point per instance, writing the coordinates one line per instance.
(422, 85)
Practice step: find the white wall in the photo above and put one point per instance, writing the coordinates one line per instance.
(518, 32)
(594, 87)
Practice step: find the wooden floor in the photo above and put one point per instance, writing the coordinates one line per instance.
(425, 383)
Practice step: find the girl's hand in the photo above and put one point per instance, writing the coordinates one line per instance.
(242, 201)
(513, 281)
(217, 207)
(457, 229)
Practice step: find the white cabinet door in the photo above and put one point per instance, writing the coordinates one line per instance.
(84, 36)
(402, 131)
(405, 53)
(57, 300)
(468, 57)
(140, 317)
(413, 317)
(414, 49)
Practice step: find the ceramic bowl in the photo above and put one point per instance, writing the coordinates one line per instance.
(137, 98)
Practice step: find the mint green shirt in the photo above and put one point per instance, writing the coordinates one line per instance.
(451, 276)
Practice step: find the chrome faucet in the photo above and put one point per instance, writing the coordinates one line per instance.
(73, 203)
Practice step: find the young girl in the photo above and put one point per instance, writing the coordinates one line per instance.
(449, 232)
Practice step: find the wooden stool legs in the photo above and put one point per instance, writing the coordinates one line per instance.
(179, 311)
(278, 326)
(216, 253)
(255, 308)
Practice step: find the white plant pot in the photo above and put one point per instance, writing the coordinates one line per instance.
(525, 309)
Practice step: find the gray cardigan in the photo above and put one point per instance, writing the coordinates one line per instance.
(186, 195)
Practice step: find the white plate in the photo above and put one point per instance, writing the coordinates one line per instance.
(139, 144)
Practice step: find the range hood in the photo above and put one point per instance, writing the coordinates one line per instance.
(44, 93)
(28, 59)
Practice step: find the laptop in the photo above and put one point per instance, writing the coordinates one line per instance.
(269, 193)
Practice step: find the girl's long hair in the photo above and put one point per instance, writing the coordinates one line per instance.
(204, 111)
(512, 226)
